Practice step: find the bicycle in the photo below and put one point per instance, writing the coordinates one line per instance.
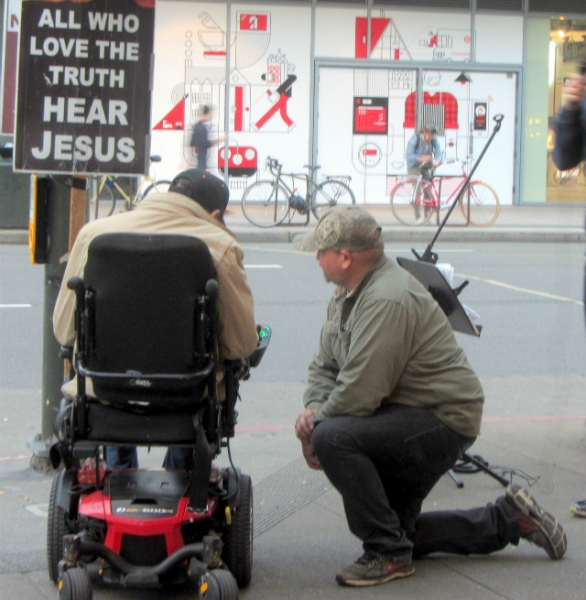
(413, 201)
(269, 203)
(561, 177)
(106, 184)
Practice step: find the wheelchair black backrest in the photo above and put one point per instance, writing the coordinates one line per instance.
(148, 316)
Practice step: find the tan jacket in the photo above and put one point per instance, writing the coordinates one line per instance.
(174, 213)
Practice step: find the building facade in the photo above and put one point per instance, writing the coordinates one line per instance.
(346, 85)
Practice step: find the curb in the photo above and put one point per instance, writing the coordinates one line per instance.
(402, 234)
(278, 235)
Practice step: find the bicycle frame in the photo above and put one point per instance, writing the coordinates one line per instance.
(271, 202)
(436, 189)
(146, 182)
(311, 186)
(309, 180)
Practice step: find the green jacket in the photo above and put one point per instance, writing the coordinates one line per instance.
(389, 341)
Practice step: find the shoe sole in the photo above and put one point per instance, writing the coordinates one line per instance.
(577, 512)
(546, 522)
(404, 572)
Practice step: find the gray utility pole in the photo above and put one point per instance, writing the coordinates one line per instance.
(63, 198)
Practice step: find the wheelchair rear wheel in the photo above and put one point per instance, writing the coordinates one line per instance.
(57, 527)
(237, 539)
(75, 585)
(221, 586)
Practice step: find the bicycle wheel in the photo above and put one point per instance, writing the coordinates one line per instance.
(407, 204)
(105, 195)
(159, 187)
(264, 204)
(330, 193)
(484, 204)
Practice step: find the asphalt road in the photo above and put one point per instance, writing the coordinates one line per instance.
(531, 358)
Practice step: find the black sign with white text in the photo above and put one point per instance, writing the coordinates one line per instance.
(84, 86)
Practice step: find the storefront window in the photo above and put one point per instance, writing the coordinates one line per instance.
(566, 49)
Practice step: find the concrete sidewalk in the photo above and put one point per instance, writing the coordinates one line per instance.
(301, 539)
(514, 224)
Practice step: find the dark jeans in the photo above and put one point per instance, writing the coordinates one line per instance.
(384, 465)
(125, 457)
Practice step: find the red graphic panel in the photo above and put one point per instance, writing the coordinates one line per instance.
(377, 28)
(253, 22)
(175, 118)
(242, 160)
(370, 115)
(450, 103)
(238, 108)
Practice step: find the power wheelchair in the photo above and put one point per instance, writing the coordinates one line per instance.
(147, 336)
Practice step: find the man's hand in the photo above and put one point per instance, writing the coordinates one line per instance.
(574, 91)
(304, 425)
(424, 158)
(436, 163)
(310, 457)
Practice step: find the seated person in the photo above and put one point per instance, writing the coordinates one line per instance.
(423, 149)
(194, 206)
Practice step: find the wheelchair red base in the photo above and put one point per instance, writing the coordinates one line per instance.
(157, 386)
(139, 525)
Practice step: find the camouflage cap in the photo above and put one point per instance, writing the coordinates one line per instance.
(350, 228)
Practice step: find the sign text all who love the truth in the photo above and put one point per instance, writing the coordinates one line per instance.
(84, 86)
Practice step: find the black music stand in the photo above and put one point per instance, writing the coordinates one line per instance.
(435, 283)
(424, 269)
(460, 320)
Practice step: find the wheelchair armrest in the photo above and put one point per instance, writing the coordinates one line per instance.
(264, 337)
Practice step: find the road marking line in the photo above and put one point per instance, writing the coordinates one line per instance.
(520, 289)
(388, 250)
(263, 266)
(39, 510)
(17, 457)
(15, 305)
(275, 250)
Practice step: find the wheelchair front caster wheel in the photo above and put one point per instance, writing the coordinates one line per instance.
(75, 584)
(221, 586)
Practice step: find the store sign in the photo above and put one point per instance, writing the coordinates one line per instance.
(84, 86)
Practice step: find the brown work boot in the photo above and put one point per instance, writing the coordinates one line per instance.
(536, 525)
(371, 569)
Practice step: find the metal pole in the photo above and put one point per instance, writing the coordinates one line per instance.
(66, 212)
(428, 255)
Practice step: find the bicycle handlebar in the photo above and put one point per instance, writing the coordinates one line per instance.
(273, 163)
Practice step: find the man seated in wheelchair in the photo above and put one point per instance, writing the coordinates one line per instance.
(139, 271)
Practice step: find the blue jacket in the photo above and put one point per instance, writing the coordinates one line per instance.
(416, 147)
(570, 138)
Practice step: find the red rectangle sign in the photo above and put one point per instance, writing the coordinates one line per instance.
(256, 22)
(371, 119)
